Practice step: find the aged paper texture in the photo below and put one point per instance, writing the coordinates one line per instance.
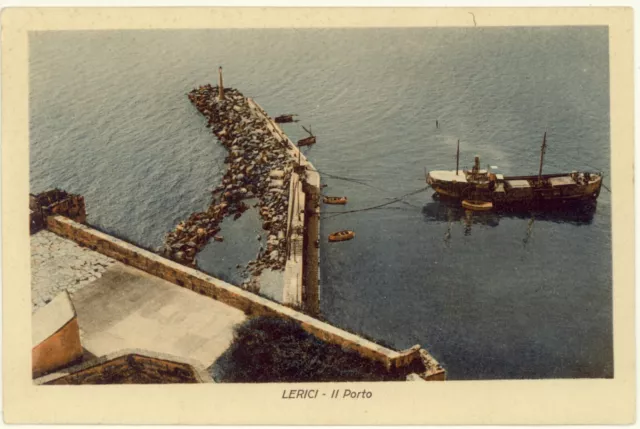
(571, 381)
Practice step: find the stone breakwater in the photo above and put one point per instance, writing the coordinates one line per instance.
(259, 168)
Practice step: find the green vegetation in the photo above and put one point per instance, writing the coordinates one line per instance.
(272, 349)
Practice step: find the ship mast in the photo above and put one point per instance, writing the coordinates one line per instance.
(457, 157)
(542, 150)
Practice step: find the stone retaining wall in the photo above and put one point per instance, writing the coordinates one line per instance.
(234, 296)
(55, 201)
(311, 265)
(131, 366)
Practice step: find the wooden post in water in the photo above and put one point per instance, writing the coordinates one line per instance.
(457, 157)
(542, 150)
(220, 86)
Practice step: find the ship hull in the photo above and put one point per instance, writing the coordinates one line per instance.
(525, 205)
(521, 190)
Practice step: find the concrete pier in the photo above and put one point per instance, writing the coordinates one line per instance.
(301, 272)
(311, 261)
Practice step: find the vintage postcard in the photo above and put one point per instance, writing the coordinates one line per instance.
(327, 216)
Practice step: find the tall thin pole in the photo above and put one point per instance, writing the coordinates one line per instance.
(457, 157)
(542, 150)
(220, 86)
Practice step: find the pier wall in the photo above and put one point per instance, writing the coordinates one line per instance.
(293, 272)
(236, 297)
(302, 271)
(311, 265)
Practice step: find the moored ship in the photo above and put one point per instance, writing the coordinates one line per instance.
(478, 187)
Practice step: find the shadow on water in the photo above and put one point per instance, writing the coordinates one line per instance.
(443, 210)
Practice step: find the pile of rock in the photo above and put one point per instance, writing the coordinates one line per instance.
(258, 167)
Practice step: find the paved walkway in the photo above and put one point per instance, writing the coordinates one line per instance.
(128, 308)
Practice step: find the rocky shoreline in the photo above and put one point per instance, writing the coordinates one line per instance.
(259, 167)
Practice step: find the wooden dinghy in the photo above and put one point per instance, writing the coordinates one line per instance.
(341, 236)
(307, 141)
(334, 200)
(284, 119)
(477, 206)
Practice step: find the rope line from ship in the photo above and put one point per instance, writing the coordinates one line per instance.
(393, 201)
(348, 179)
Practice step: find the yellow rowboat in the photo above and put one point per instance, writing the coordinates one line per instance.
(341, 236)
(335, 200)
(478, 206)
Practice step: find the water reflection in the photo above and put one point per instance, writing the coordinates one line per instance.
(450, 211)
(527, 237)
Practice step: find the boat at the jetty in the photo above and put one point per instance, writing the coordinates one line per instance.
(307, 140)
(284, 118)
(341, 236)
(478, 186)
(334, 200)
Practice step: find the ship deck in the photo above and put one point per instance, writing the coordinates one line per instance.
(449, 176)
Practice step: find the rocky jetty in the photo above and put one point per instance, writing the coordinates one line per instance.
(259, 168)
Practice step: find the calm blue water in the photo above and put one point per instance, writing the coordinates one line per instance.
(504, 298)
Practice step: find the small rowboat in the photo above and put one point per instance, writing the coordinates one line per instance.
(335, 200)
(478, 206)
(284, 119)
(341, 236)
(307, 141)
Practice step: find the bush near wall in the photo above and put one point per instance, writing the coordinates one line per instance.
(272, 349)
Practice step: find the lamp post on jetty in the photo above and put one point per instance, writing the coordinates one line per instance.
(220, 86)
